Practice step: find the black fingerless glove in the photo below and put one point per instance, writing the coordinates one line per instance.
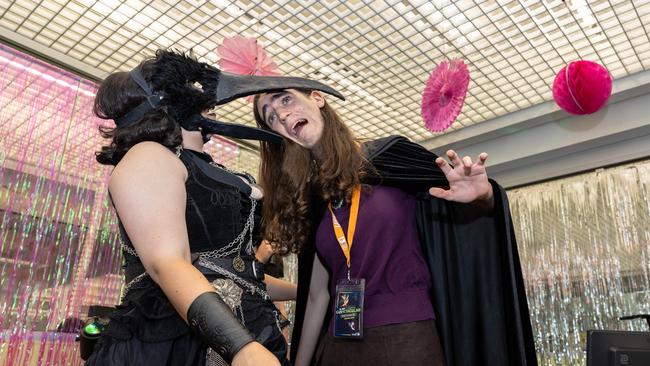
(213, 320)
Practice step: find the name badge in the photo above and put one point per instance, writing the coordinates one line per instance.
(348, 313)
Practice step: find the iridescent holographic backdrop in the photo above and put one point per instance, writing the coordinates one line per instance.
(584, 244)
(59, 251)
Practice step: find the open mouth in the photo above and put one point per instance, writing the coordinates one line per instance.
(297, 127)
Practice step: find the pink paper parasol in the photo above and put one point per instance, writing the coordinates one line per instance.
(444, 95)
(582, 87)
(243, 56)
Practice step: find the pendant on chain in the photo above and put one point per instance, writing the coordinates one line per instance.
(238, 264)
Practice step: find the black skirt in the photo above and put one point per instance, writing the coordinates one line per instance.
(146, 330)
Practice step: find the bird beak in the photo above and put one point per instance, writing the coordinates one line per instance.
(232, 86)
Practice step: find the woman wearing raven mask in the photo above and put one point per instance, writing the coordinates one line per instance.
(195, 294)
(389, 237)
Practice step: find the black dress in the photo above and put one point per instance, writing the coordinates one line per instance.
(145, 329)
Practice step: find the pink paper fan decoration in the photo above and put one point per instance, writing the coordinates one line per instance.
(444, 95)
(244, 56)
(582, 87)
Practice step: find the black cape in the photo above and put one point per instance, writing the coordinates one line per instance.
(478, 290)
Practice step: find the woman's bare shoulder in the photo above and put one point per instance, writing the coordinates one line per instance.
(147, 160)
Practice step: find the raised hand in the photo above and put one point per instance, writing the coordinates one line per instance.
(468, 182)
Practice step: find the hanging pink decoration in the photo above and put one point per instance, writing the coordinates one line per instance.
(444, 95)
(244, 56)
(582, 87)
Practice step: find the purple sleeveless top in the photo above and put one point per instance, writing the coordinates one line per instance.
(386, 252)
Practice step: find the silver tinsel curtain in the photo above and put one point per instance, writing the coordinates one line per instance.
(584, 244)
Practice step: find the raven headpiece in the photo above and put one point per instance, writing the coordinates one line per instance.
(187, 87)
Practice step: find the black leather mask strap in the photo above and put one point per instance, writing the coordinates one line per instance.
(152, 101)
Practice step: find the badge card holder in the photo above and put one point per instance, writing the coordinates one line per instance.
(348, 314)
(348, 309)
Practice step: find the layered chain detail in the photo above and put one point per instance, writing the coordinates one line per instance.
(234, 247)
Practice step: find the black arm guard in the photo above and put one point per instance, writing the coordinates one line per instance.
(213, 320)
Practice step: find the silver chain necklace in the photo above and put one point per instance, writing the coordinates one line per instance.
(235, 245)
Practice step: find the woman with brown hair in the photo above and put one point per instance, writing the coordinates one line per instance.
(386, 236)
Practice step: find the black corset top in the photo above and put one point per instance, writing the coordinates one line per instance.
(215, 212)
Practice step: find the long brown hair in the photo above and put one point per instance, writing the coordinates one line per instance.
(293, 180)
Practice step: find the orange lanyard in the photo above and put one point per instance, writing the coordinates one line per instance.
(346, 245)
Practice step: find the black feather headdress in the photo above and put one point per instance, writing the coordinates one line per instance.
(186, 87)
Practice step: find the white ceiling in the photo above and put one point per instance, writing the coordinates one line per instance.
(378, 53)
